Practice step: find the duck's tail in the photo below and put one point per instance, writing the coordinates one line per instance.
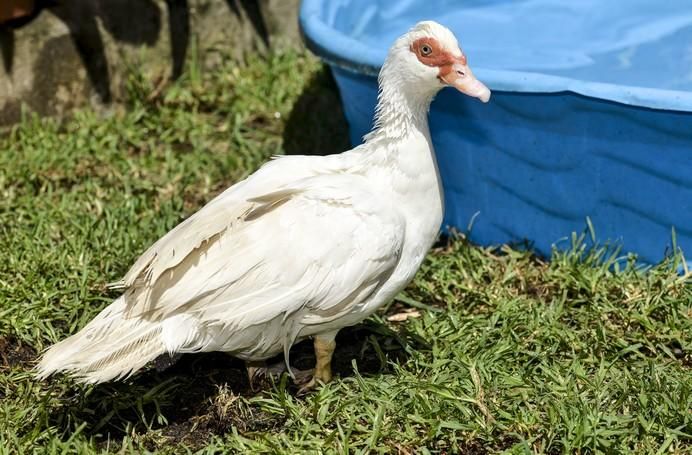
(109, 347)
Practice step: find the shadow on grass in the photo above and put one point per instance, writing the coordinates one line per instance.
(316, 124)
(183, 400)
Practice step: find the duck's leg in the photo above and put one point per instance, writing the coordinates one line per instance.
(324, 350)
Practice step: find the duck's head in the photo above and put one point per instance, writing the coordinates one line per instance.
(427, 58)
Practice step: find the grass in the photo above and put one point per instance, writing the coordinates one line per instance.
(502, 351)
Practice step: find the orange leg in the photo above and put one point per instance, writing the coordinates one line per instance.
(324, 350)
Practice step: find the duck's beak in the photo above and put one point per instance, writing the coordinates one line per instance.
(459, 75)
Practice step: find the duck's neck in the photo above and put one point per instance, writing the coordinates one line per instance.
(400, 111)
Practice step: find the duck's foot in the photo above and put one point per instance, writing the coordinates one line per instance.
(324, 350)
(259, 372)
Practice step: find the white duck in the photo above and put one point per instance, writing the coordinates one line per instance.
(301, 248)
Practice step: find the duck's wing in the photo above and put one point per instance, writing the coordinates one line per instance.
(318, 246)
(214, 218)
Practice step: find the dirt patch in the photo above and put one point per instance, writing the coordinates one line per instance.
(223, 412)
(14, 353)
(219, 414)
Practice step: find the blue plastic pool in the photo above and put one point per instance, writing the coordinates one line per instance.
(591, 114)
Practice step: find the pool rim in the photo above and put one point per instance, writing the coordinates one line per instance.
(346, 53)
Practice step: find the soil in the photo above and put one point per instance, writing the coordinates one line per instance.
(14, 353)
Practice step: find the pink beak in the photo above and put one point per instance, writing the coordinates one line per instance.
(460, 76)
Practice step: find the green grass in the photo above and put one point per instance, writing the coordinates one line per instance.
(581, 354)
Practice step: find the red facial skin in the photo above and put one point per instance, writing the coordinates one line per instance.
(438, 57)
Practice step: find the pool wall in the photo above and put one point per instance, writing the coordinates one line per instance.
(533, 166)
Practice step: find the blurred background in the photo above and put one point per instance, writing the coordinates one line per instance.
(61, 54)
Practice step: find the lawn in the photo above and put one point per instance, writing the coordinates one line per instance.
(489, 350)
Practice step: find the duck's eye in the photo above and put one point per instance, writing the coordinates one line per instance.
(425, 50)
